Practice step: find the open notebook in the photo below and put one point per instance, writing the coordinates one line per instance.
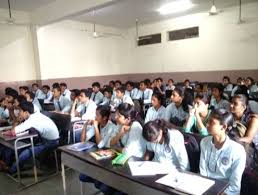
(81, 146)
(145, 168)
(188, 183)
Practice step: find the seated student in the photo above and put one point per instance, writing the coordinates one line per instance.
(31, 98)
(170, 85)
(252, 87)
(61, 103)
(165, 144)
(157, 110)
(221, 157)
(198, 116)
(240, 81)
(122, 98)
(187, 84)
(108, 92)
(23, 90)
(4, 113)
(38, 93)
(217, 100)
(144, 93)
(96, 95)
(111, 84)
(148, 83)
(176, 112)
(75, 94)
(130, 135)
(65, 92)
(226, 83)
(47, 92)
(158, 86)
(130, 90)
(104, 131)
(42, 124)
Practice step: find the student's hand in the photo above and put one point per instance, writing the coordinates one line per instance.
(95, 124)
(124, 129)
(192, 111)
(76, 100)
(197, 109)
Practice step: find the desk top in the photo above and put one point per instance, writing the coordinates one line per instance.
(124, 171)
(12, 138)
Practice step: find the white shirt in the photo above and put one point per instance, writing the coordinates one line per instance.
(174, 154)
(134, 144)
(153, 114)
(44, 125)
(170, 87)
(87, 111)
(39, 94)
(36, 105)
(49, 96)
(63, 104)
(106, 101)
(128, 100)
(133, 93)
(175, 115)
(146, 95)
(227, 162)
(97, 98)
(67, 94)
(229, 87)
(107, 133)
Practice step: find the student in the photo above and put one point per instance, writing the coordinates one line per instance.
(144, 93)
(108, 92)
(111, 84)
(38, 93)
(226, 83)
(165, 144)
(61, 103)
(96, 95)
(157, 110)
(65, 92)
(187, 84)
(75, 93)
(47, 92)
(252, 87)
(23, 90)
(131, 91)
(198, 116)
(4, 113)
(170, 85)
(158, 86)
(42, 124)
(130, 135)
(176, 112)
(217, 100)
(222, 158)
(122, 98)
(31, 98)
(240, 81)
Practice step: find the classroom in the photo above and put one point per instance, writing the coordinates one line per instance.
(132, 97)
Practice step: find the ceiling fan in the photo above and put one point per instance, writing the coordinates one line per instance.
(10, 20)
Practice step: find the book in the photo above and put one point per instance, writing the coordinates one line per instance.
(120, 159)
(187, 183)
(103, 154)
(145, 168)
(81, 146)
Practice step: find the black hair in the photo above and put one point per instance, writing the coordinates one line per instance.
(21, 98)
(27, 107)
(57, 88)
(63, 85)
(86, 92)
(35, 84)
(46, 86)
(96, 84)
(121, 89)
(187, 99)
(32, 95)
(55, 85)
(11, 92)
(104, 110)
(151, 131)
(159, 97)
(113, 82)
(1, 100)
(144, 82)
(109, 90)
(179, 91)
(118, 81)
(128, 111)
(147, 81)
(8, 89)
(171, 80)
(220, 87)
(242, 89)
(227, 78)
(187, 80)
(159, 79)
(243, 99)
(76, 92)
(131, 83)
(24, 88)
(223, 116)
(251, 79)
(202, 97)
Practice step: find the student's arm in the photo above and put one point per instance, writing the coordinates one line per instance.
(23, 126)
(99, 98)
(251, 131)
(73, 110)
(237, 168)
(97, 133)
(201, 128)
(115, 140)
(84, 131)
(189, 122)
(67, 106)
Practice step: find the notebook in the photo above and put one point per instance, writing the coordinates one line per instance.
(81, 146)
(103, 154)
(187, 183)
(145, 168)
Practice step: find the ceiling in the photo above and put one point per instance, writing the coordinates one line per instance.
(24, 5)
(123, 13)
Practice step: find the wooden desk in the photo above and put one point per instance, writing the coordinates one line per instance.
(120, 177)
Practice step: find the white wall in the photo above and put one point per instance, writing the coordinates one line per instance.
(66, 50)
(223, 44)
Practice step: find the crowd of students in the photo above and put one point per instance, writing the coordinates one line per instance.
(146, 120)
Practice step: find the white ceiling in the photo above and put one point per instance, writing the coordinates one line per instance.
(24, 5)
(123, 13)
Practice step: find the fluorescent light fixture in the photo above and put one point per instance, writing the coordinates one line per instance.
(213, 10)
(175, 7)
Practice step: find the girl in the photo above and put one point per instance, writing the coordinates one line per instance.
(157, 110)
(166, 144)
(130, 134)
(222, 158)
(217, 100)
(198, 116)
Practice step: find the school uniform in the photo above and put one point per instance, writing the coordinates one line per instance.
(221, 104)
(145, 95)
(106, 101)
(174, 154)
(132, 142)
(49, 96)
(62, 104)
(175, 115)
(253, 89)
(170, 87)
(67, 94)
(234, 90)
(36, 105)
(228, 87)
(128, 100)
(97, 97)
(226, 163)
(132, 93)
(4, 113)
(39, 94)
(47, 130)
(193, 127)
(107, 133)
(153, 114)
